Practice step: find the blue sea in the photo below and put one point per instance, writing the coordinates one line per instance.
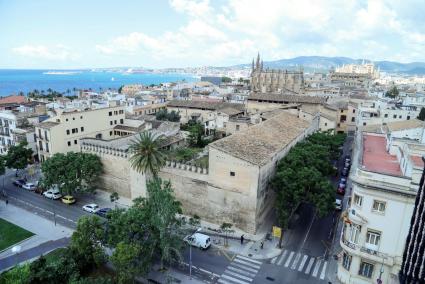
(15, 81)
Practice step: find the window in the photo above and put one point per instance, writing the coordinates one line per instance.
(74, 130)
(343, 118)
(47, 147)
(358, 200)
(373, 238)
(386, 115)
(354, 111)
(408, 117)
(364, 123)
(122, 121)
(353, 119)
(232, 174)
(66, 119)
(73, 118)
(394, 116)
(75, 142)
(67, 132)
(69, 143)
(326, 124)
(366, 269)
(378, 206)
(115, 112)
(110, 113)
(110, 133)
(111, 122)
(400, 116)
(237, 127)
(115, 122)
(81, 117)
(82, 129)
(346, 261)
(342, 111)
(354, 233)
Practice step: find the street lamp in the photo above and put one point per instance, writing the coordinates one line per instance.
(190, 255)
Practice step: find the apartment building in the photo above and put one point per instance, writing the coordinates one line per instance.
(385, 175)
(382, 112)
(61, 134)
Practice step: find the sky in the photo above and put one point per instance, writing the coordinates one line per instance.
(66, 34)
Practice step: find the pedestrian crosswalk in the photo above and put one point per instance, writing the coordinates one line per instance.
(241, 270)
(314, 266)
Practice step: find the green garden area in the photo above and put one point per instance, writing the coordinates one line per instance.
(11, 234)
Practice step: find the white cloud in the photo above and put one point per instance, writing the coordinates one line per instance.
(235, 31)
(58, 52)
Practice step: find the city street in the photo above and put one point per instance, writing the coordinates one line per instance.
(304, 258)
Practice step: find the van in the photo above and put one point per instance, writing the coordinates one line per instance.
(198, 240)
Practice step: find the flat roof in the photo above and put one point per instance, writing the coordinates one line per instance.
(376, 158)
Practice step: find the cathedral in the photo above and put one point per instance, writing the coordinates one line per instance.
(275, 81)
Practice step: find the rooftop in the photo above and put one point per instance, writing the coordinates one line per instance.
(259, 143)
(286, 98)
(204, 105)
(13, 99)
(406, 124)
(376, 158)
(417, 161)
(47, 124)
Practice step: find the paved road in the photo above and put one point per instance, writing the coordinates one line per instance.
(34, 252)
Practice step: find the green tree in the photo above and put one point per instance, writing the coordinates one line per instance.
(302, 177)
(421, 115)
(114, 197)
(17, 275)
(18, 156)
(226, 80)
(150, 228)
(86, 243)
(72, 172)
(196, 131)
(226, 228)
(162, 114)
(392, 93)
(126, 261)
(146, 154)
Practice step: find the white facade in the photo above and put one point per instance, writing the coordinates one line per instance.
(377, 222)
(8, 122)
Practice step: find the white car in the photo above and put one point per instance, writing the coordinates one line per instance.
(338, 204)
(91, 208)
(52, 194)
(198, 240)
(29, 186)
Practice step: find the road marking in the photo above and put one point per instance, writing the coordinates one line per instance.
(244, 267)
(249, 259)
(310, 264)
(289, 259)
(241, 271)
(238, 275)
(297, 258)
(316, 268)
(274, 260)
(247, 263)
(282, 257)
(234, 279)
(305, 257)
(322, 275)
(223, 281)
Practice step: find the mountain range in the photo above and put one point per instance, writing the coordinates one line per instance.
(323, 63)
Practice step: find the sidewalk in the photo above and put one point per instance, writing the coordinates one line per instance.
(47, 235)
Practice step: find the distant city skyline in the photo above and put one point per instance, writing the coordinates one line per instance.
(182, 33)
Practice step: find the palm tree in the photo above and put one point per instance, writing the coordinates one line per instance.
(146, 155)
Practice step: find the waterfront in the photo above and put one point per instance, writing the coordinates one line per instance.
(15, 81)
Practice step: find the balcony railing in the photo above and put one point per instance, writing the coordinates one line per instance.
(372, 252)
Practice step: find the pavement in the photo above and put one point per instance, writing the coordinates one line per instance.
(47, 236)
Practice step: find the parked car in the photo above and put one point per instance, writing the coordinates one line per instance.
(338, 204)
(103, 212)
(342, 185)
(68, 199)
(29, 186)
(343, 180)
(341, 190)
(198, 240)
(19, 182)
(345, 171)
(91, 208)
(347, 158)
(52, 194)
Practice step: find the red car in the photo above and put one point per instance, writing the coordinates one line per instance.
(340, 190)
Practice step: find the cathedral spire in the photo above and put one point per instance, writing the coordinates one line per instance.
(257, 64)
(261, 65)
(252, 67)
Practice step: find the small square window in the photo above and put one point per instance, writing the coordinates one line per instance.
(75, 142)
(66, 119)
(378, 206)
(67, 132)
(232, 174)
(110, 113)
(73, 118)
(81, 117)
(69, 143)
(358, 200)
